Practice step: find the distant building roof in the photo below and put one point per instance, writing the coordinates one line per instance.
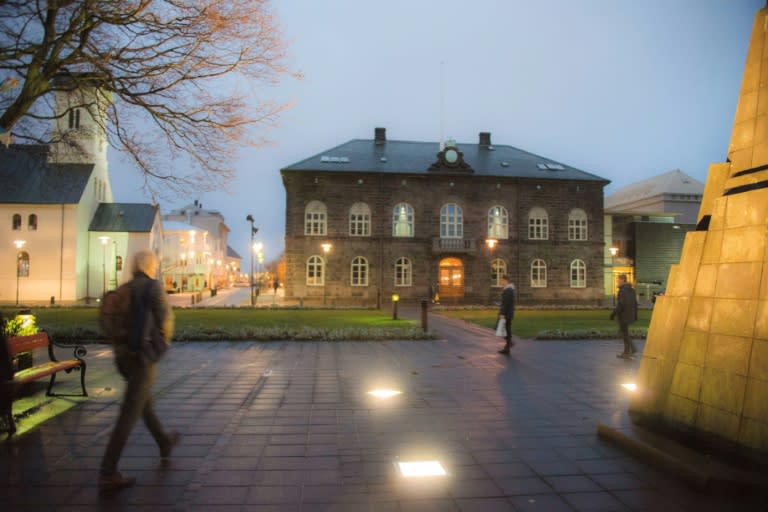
(672, 182)
(124, 217)
(231, 253)
(176, 225)
(28, 178)
(396, 156)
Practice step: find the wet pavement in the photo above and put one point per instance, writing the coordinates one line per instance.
(290, 426)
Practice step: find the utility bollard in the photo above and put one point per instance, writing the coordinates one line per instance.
(424, 315)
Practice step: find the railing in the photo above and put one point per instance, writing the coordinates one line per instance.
(454, 245)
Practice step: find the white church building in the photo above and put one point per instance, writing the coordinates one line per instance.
(62, 238)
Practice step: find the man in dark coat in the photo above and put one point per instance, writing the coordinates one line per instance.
(139, 373)
(625, 313)
(507, 311)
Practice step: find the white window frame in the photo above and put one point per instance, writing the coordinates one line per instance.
(403, 272)
(538, 224)
(498, 269)
(498, 222)
(360, 220)
(315, 269)
(451, 221)
(315, 219)
(358, 271)
(578, 274)
(403, 220)
(577, 225)
(538, 273)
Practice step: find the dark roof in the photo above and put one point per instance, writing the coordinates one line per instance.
(124, 217)
(409, 157)
(28, 178)
(231, 253)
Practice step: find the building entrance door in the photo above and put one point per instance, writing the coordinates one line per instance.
(451, 277)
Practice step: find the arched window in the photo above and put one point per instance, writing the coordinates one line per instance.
(359, 272)
(451, 221)
(32, 222)
(403, 272)
(315, 271)
(16, 222)
(538, 224)
(360, 220)
(402, 220)
(315, 218)
(578, 274)
(498, 223)
(498, 269)
(577, 224)
(538, 274)
(22, 264)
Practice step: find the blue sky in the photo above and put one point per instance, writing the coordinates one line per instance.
(623, 89)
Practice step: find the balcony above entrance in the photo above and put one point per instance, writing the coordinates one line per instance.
(453, 245)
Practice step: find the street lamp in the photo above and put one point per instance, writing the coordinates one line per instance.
(19, 244)
(326, 249)
(614, 252)
(254, 230)
(103, 240)
(491, 243)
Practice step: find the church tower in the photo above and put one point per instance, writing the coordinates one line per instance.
(705, 365)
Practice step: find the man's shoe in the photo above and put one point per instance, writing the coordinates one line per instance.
(115, 482)
(173, 439)
(624, 356)
(505, 350)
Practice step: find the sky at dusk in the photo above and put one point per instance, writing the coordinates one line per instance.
(623, 89)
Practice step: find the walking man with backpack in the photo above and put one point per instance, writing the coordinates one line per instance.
(138, 367)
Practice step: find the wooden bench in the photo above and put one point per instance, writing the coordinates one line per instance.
(19, 344)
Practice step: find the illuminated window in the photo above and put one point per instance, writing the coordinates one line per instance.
(16, 222)
(403, 272)
(538, 224)
(578, 274)
(451, 221)
(315, 271)
(577, 225)
(498, 269)
(32, 222)
(359, 272)
(402, 220)
(315, 218)
(498, 223)
(22, 264)
(360, 220)
(538, 274)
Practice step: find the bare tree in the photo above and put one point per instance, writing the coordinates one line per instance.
(162, 63)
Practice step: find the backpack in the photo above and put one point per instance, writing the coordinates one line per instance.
(115, 314)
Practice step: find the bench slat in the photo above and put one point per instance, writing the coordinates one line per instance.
(43, 370)
(29, 343)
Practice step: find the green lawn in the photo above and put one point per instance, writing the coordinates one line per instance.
(530, 323)
(243, 323)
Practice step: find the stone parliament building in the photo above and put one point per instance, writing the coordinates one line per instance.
(371, 218)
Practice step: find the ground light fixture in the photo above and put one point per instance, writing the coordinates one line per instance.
(629, 386)
(420, 468)
(384, 393)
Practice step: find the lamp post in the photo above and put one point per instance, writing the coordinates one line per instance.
(19, 244)
(326, 249)
(614, 252)
(254, 230)
(491, 243)
(103, 240)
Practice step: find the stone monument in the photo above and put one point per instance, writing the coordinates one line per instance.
(704, 372)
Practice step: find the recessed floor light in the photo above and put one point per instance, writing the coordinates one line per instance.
(631, 386)
(384, 393)
(421, 468)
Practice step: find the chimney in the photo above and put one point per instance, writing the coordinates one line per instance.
(379, 135)
(485, 138)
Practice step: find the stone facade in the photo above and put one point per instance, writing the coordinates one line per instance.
(466, 275)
